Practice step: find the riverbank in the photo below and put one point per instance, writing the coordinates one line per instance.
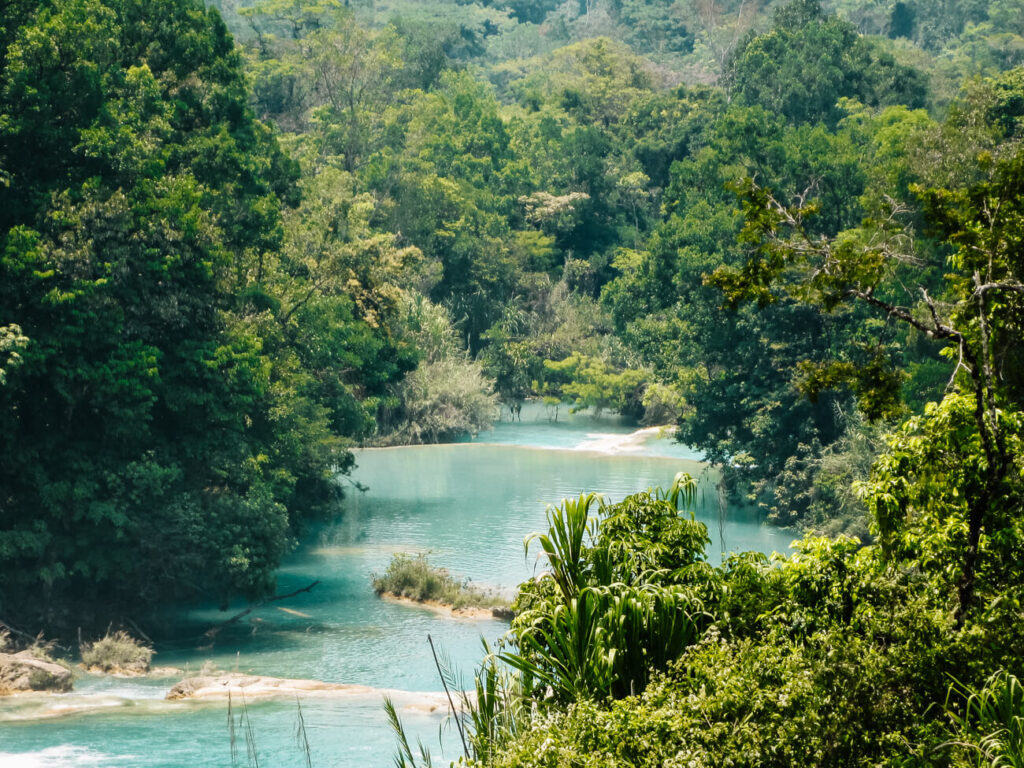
(470, 613)
(468, 505)
(629, 443)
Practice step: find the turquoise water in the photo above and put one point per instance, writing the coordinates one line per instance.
(540, 426)
(469, 505)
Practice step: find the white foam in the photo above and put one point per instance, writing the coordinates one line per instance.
(600, 442)
(64, 756)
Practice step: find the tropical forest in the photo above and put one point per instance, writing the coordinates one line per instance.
(511, 383)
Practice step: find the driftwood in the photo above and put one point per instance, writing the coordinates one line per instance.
(18, 632)
(212, 632)
(134, 626)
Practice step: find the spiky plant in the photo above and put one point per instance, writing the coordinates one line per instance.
(989, 723)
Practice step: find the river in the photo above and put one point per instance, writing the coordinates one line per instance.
(468, 504)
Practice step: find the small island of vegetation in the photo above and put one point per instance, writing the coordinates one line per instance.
(241, 239)
(412, 578)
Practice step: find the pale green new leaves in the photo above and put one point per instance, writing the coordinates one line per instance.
(12, 341)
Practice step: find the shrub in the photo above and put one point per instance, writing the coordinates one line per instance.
(446, 399)
(118, 652)
(413, 577)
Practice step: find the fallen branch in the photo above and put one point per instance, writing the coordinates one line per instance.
(212, 632)
(134, 626)
(18, 632)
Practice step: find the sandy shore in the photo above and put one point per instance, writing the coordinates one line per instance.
(443, 609)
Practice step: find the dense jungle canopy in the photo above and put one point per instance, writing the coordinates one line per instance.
(238, 240)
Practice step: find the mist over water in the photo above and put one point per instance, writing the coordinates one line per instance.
(468, 505)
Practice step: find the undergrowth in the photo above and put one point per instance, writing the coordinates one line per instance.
(414, 578)
(117, 652)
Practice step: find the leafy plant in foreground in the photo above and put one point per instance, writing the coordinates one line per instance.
(988, 723)
(622, 608)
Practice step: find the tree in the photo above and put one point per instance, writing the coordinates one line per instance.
(977, 315)
(738, 367)
(165, 427)
(808, 61)
(447, 185)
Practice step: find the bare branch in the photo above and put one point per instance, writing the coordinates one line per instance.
(212, 632)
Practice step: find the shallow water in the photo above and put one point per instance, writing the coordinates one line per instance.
(469, 505)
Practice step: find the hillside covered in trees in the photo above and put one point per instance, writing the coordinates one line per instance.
(238, 240)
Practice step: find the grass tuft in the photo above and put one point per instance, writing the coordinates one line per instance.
(414, 578)
(118, 652)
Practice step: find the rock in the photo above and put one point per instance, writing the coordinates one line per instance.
(217, 686)
(247, 687)
(503, 612)
(21, 672)
(133, 671)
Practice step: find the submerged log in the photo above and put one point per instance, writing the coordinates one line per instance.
(213, 631)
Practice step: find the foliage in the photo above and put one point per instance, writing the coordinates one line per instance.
(11, 341)
(413, 577)
(448, 394)
(988, 723)
(738, 369)
(405, 757)
(830, 654)
(808, 61)
(117, 652)
(622, 609)
(498, 708)
(926, 493)
(817, 486)
(589, 384)
(170, 415)
(979, 224)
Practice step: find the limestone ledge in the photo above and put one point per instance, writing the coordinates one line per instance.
(248, 687)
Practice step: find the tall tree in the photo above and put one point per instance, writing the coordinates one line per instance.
(161, 433)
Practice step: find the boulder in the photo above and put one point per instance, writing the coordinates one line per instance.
(21, 672)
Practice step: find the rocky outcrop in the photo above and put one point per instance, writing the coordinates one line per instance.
(218, 686)
(24, 671)
(222, 685)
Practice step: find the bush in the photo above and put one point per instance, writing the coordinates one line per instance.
(414, 578)
(446, 399)
(447, 395)
(794, 671)
(118, 652)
